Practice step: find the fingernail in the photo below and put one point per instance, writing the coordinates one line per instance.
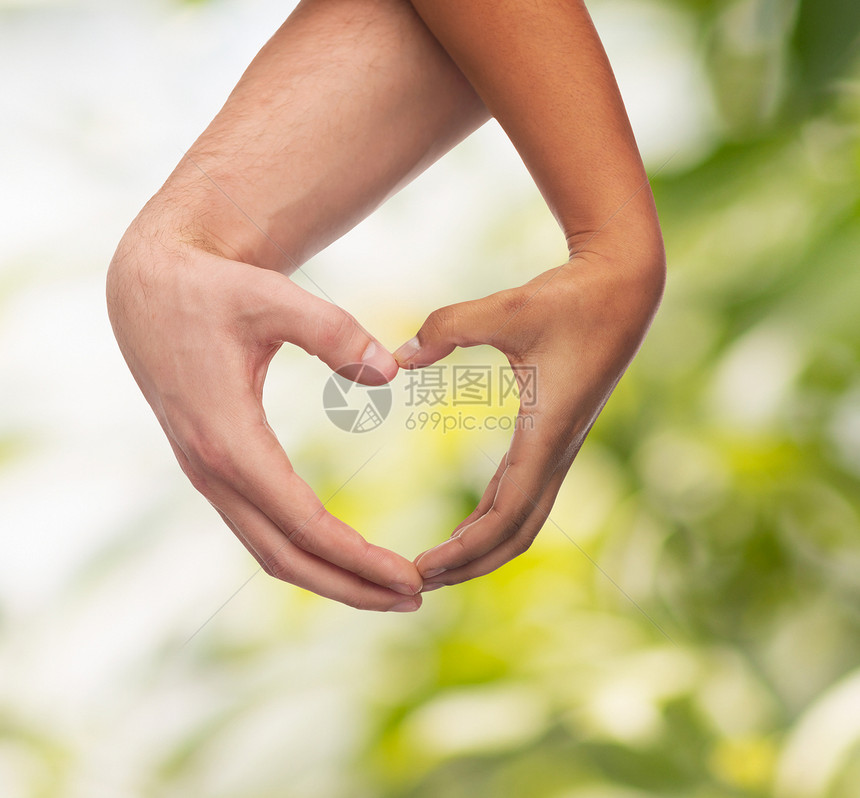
(405, 590)
(408, 350)
(405, 606)
(434, 572)
(379, 359)
(369, 352)
(428, 586)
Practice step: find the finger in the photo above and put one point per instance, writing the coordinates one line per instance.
(281, 559)
(530, 464)
(322, 329)
(506, 551)
(463, 324)
(262, 474)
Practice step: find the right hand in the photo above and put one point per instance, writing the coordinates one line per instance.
(198, 332)
(568, 334)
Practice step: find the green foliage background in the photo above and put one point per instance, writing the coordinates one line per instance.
(689, 623)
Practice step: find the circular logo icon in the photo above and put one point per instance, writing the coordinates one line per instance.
(354, 407)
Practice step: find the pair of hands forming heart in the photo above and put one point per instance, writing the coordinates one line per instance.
(199, 330)
(347, 102)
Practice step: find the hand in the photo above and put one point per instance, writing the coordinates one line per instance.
(198, 332)
(576, 328)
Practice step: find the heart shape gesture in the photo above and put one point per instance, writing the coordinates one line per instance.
(347, 102)
(221, 321)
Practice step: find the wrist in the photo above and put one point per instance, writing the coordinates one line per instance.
(634, 251)
(190, 210)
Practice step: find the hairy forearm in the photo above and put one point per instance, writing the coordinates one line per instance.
(542, 72)
(347, 102)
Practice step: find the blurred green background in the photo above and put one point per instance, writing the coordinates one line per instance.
(688, 624)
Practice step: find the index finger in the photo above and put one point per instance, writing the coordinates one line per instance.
(261, 474)
(520, 483)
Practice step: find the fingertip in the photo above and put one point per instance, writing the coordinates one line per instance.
(378, 365)
(407, 606)
(405, 355)
(405, 590)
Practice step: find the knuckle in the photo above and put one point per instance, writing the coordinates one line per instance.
(509, 521)
(264, 565)
(199, 480)
(279, 565)
(211, 456)
(511, 301)
(300, 535)
(358, 600)
(196, 475)
(203, 477)
(367, 561)
(335, 329)
(521, 514)
(522, 544)
(439, 322)
(461, 550)
(460, 542)
(526, 322)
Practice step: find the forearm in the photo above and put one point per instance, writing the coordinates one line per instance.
(542, 72)
(348, 102)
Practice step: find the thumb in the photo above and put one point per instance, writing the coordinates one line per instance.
(323, 329)
(463, 324)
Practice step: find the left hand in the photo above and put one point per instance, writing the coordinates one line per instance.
(576, 327)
